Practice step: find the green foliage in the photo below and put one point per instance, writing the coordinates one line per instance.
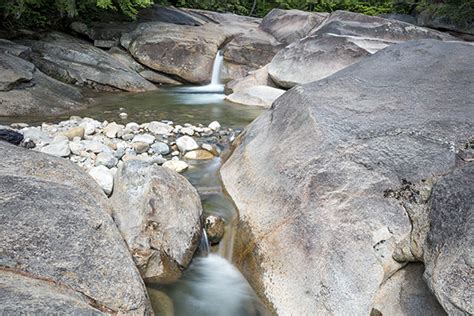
(43, 13)
(49, 12)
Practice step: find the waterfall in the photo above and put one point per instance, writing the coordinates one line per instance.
(216, 68)
(215, 87)
(204, 246)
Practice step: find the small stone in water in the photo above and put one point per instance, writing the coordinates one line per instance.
(123, 115)
(215, 126)
(215, 228)
(176, 165)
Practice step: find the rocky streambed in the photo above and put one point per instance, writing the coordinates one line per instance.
(354, 188)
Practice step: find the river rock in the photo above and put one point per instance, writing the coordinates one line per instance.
(72, 60)
(256, 96)
(343, 143)
(160, 148)
(74, 132)
(254, 78)
(112, 129)
(215, 229)
(10, 136)
(406, 293)
(140, 147)
(154, 44)
(59, 148)
(159, 128)
(24, 90)
(161, 230)
(106, 159)
(214, 126)
(288, 26)
(144, 138)
(124, 57)
(176, 165)
(343, 39)
(103, 177)
(53, 242)
(186, 143)
(198, 154)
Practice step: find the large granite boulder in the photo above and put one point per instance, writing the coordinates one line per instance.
(158, 213)
(24, 90)
(342, 40)
(449, 246)
(59, 246)
(257, 77)
(288, 26)
(75, 61)
(248, 51)
(256, 96)
(406, 293)
(311, 176)
(22, 294)
(183, 51)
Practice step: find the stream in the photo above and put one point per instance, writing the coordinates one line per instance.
(211, 285)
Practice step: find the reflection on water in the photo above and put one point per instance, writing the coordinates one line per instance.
(170, 103)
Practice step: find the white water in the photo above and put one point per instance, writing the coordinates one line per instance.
(215, 87)
(216, 68)
(213, 286)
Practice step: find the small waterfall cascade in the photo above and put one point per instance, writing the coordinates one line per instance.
(204, 245)
(215, 87)
(216, 68)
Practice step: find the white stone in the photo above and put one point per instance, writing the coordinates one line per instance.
(36, 135)
(176, 165)
(123, 115)
(215, 126)
(159, 128)
(106, 159)
(59, 148)
(186, 143)
(160, 148)
(144, 138)
(132, 126)
(112, 129)
(96, 147)
(103, 177)
(76, 147)
(187, 131)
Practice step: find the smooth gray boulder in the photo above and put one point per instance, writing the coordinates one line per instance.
(343, 39)
(288, 26)
(257, 77)
(449, 246)
(406, 293)
(61, 233)
(256, 96)
(21, 295)
(183, 51)
(158, 213)
(317, 213)
(316, 57)
(361, 25)
(248, 51)
(75, 61)
(13, 48)
(24, 90)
